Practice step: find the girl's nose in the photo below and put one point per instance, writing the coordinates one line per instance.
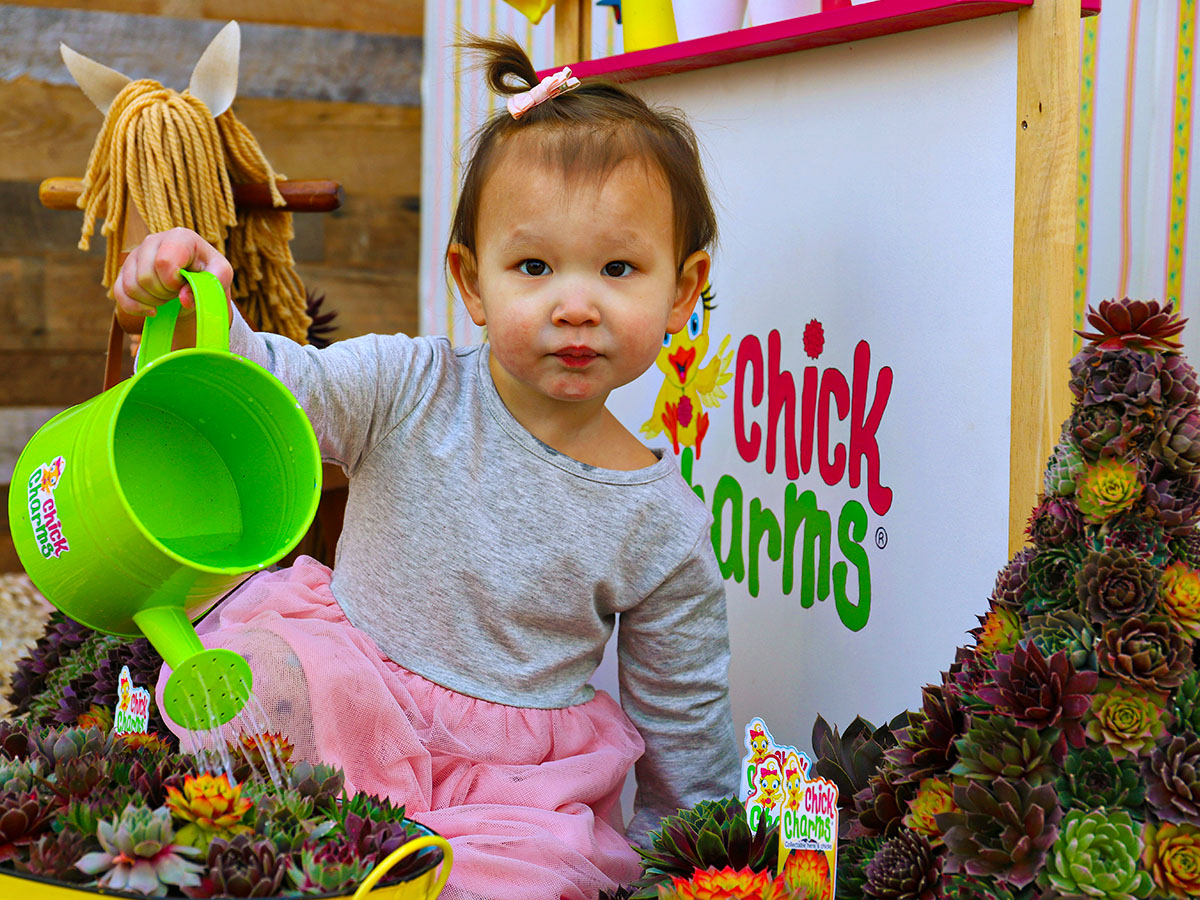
(576, 308)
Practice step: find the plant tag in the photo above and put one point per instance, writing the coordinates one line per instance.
(775, 785)
(132, 713)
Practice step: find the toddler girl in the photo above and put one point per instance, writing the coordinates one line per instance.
(500, 518)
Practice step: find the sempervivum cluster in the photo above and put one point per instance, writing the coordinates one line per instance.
(1060, 756)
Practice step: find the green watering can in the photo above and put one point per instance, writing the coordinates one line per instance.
(136, 511)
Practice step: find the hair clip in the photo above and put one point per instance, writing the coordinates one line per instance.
(550, 86)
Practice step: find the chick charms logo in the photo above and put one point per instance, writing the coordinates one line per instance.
(132, 712)
(43, 511)
(784, 423)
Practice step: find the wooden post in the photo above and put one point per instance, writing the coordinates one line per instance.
(1044, 237)
(572, 31)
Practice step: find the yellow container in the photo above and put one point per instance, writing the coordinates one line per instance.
(425, 884)
(647, 23)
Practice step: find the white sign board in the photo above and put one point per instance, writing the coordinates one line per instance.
(858, 467)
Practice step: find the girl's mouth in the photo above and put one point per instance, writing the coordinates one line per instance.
(576, 357)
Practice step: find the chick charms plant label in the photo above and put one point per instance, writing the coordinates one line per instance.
(132, 712)
(775, 785)
(43, 511)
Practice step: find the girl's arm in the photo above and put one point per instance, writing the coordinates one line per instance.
(673, 654)
(352, 392)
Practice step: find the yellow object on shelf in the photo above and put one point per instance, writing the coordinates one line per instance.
(647, 23)
(532, 9)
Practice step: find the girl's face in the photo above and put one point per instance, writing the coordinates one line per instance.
(576, 282)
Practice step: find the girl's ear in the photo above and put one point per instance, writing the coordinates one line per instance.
(693, 275)
(461, 261)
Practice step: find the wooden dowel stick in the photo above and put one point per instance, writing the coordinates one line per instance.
(300, 196)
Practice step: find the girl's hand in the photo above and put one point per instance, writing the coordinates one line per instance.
(150, 277)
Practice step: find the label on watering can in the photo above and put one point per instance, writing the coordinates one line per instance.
(43, 511)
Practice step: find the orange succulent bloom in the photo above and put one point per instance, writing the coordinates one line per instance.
(210, 802)
(725, 884)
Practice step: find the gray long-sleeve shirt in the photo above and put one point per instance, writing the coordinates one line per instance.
(487, 562)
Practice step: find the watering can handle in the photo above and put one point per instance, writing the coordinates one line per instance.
(431, 840)
(212, 319)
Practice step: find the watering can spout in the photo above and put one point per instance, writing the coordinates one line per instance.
(207, 688)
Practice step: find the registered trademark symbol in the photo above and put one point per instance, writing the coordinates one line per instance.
(880, 538)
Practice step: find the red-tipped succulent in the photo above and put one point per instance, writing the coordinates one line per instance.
(1134, 324)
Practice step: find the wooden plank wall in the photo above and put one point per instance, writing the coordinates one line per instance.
(329, 88)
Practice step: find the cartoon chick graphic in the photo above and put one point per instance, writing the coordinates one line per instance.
(690, 385)
(51, 474)
(760, 744)
(795, 782)
(769, 783)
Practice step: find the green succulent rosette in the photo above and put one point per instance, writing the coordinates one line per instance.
(1092, 779)
(996, 746)
(139, 854)
(1186, 704)
(1052, 574)
(852, 859)
(1145, 538)
(1125, 718)
(1107, 488)
(999, 631)
(1177, 442)
(1096, 858)
(1066, 465)
(1067, 631)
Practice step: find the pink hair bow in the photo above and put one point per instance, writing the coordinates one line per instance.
(550, 86)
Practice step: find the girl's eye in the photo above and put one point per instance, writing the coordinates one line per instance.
(694, 326)
(667, 339)
(533, 267)
(616, 269)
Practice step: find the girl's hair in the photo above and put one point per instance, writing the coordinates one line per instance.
(588, 131)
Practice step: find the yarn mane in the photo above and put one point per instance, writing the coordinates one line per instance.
(165, 152)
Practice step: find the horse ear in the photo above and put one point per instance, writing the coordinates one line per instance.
(100, 83)
(214, 80)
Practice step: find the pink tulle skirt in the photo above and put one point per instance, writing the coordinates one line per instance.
(528, 798)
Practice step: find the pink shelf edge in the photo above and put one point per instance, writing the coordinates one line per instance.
(823, 29)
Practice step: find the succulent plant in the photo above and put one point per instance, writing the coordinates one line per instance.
(1009, 589)
(328, 869)
(1186, 705)
(1054, 522)
(211, 806)
(79, 777)
(852, 859)
(21, 775)
(1004, 829)
(620, 892)
(1171, 854)
(714, 833)
(1177, 441)
(1145, 538)
(320, 782)
(1172, 776)
(967, 887)
(726, 884)
(369, 806)
(1066, 465)
(1102, 429)
(54, 854)
(926, 745)
(806, 875)
(242, 867)
(60, 639)
(848, 760)
(1051, 582)
(1091, 778)
(905, 868)
(1116, 584)
(1173, 499)
(374, 841)
(1185, 546)
(24, 816)
(997, 747)
(1130, 379)
(321, 323)
(934, 797)
(255, 755)
(1145, 651)
(1040, 692)
(1125, 718)
(1066, 631)
(883, 804)
(1135, 325)
(62, 744)
(16, 742)
(139, 854)
(1106, 488)
(1096, 856)
(998, 632)
(1179, 597)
